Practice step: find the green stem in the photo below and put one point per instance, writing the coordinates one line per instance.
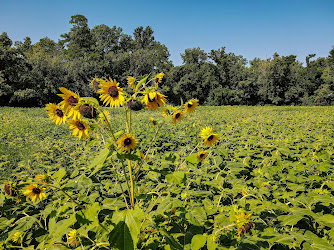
(188, 155)
(61, 190)
(132, 197)
(120, 184)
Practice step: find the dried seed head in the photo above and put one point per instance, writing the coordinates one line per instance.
(134, 105)
(87, 111)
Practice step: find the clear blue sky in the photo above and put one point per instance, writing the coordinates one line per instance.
(251, 28)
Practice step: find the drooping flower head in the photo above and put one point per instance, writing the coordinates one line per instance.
(17, 237)
(210, 138)
(34, 192)
(86, 110)
(202, 155)
(80, 128)
(134, 105)
(153, 100)
(131, 82)
(111, 94)
(191, 105)
(43, 178)
(177, 116)
(127, 142)
(56, 113)
(73, 238)
(70, 101)
(158, 79)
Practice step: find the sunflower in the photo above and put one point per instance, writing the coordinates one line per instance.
(131, 82)
(111, 93)
(85, 110)
(104, 117)
(202, 155)
(153, 122)
(209, 137)
(191, 105)
(55, 113)
(34, 192)
(127, 142)
(80, 128)
(17, 237)
(9, 189)
(73, 238)
(177, 116)
(134, 105)
(153, 100)
(95, 83)
(158, 79)
(70, 101)
(43, 178)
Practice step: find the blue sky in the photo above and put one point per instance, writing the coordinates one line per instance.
(251, 28)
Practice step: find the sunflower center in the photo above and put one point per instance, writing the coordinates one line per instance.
(210, 138)
(113, 91)
(177, 115)
(59, 113)
(36, 190)
(127, 142)
(72, 101)
(189, 105)
(156, 80)
(201, 155)
(80, 125)
(87, 111)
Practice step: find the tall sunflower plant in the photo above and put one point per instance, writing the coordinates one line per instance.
(119, 160)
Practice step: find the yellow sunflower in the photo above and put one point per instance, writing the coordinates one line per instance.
(153, 100)
(127, 142)
(70, 101)
(209, 137)
(34, 192)
(80, 128)
(43, 178)
(131, 82)
(202, 155)
(17, 237)
(158, 79)
(95, 83)
(55, 113)
(177, 116)
(111, 93)
(191, 105)
(73, 238)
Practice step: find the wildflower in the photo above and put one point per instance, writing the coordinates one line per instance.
(202, 155)
(73, 238)
(191, 105)
(153, 100)
(95, 83)
(9, 190)
(245, 228)
(209, 137)
(177, 117)
(55, 113)
(131, 82)
(43, 178)
(153, 121)
(111, 93)
(134, 105)
(17, 237)
(70, 101)
(34, 192)
(158, 79)
(80, 128)
(127, 142)
(104, 116)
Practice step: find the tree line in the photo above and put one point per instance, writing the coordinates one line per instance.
(31, 74)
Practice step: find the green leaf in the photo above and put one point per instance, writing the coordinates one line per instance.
(326, 219)
(198, 241)
(289, 219)
(59, 174)
(197, 216)
(211, 244)
(141, 82)
(192, 159)
(99, 160)
(91, 100)
(171, 241)
(177, 177)
(120, 237)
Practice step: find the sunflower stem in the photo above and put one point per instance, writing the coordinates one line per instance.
(61, 190)
(188, 155)
(120, 184)
(132, 197)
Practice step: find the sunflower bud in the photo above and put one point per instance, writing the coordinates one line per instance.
(87, 111)
(134, 105)
(9, 190)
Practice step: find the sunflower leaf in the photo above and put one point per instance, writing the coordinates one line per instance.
(99, 160)
(91, 100)
(177, 177)
(141, 82)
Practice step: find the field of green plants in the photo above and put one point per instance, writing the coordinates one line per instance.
(267, 184)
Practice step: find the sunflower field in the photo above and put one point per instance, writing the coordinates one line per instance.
(137, 173)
